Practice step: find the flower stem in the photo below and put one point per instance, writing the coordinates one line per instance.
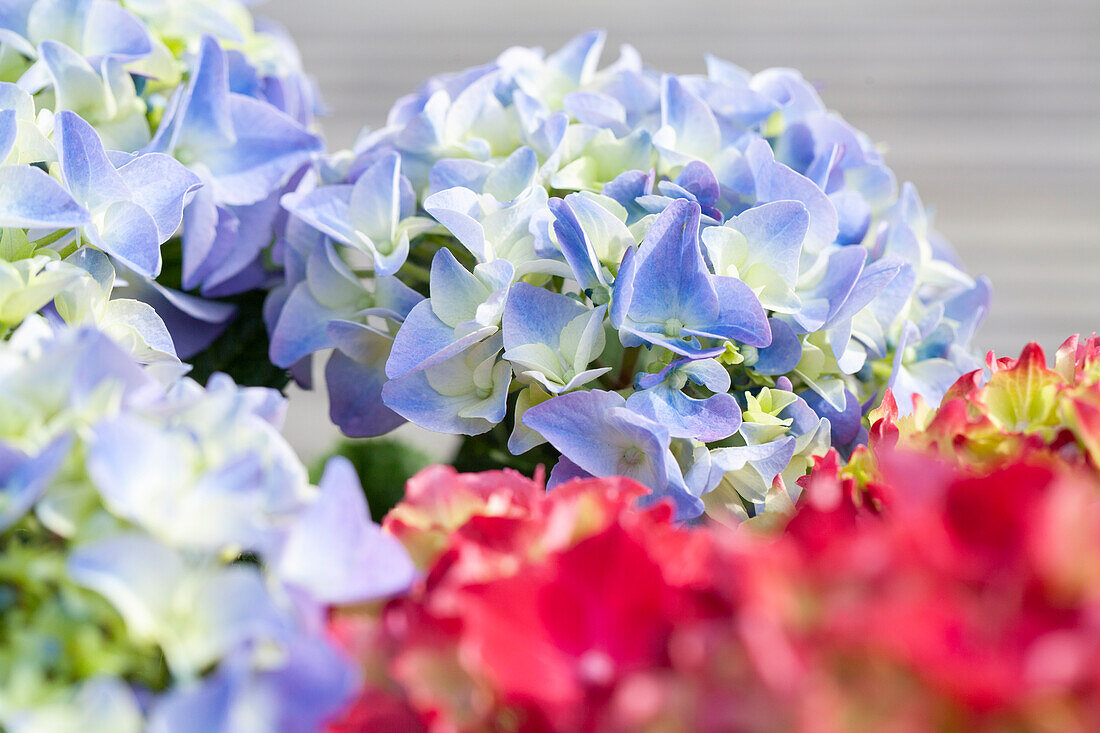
(626, 368)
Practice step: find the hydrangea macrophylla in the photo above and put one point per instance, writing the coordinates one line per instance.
(373, 215)
(541, 609)
(1013, 407)
(78, 291)
(203, 82)
(245, 150)
(930, 594)
(134, 207)
(126, 206)
(601, 436)
(664, 248)
(165, 542)
(132, 324)
(28, 285)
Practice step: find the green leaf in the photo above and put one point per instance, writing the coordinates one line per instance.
(489, 452)
(241, 352)
(383, 465)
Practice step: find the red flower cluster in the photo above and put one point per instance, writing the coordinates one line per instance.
(565, 611)
(918, 588)
(1011, 408)
(951, 600)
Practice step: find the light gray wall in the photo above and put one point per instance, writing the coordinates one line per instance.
(991, 107)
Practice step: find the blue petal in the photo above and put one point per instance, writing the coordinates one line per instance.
(854, 216)
(133, 571)
(375, 203)
(564, 471)
(459, 209)
(874, 278)
(596, 432)
(784, 352)
(110, 30)
(741, 105)
(536, 316)
(413, 396)
(513, 175)
(30, 198)
(714, 418)
(842, 271)
(204, 110)
(162, 186)
(575, 247)
(85, 168)
(96, 264)
(670, 263)
(575, 424)
(309, 684)
(386, 264)
(895, 296)
(393, 298)
(235, 263)
(208, 233)
(130, 234)
(13, 15)
(578, 58)
(624, 289)
(334, 550)
(354, 377)
(740, 316)
(9, 128)
(301, 328)
(970, 308)
(775, 232)
(776, 182)
(598, 110)
(692, 121)
(424, 340)
(457, 293)
(327, 209)
(768, 460)
(844, 425)
(23, 479)
(708, 373)
(699, 180)
(76, 85)
(423, 132)
(458, 173)
(194, 323)
(270, 147)
(627, 188)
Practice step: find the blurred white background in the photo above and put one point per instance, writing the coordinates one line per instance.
(991, 107)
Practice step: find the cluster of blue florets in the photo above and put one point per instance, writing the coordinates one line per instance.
(165, 563)
(698, 281)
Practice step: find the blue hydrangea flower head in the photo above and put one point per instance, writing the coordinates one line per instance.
(718, 273)
(203, 82)
(168, 541)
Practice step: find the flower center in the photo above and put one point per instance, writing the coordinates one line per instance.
(677, 380)
(632, 456)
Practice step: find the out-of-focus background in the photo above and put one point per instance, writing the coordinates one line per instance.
(991, 107)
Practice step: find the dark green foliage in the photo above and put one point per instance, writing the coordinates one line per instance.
(489, 452)
(241, 352)
(54, 633)
(383, 465)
